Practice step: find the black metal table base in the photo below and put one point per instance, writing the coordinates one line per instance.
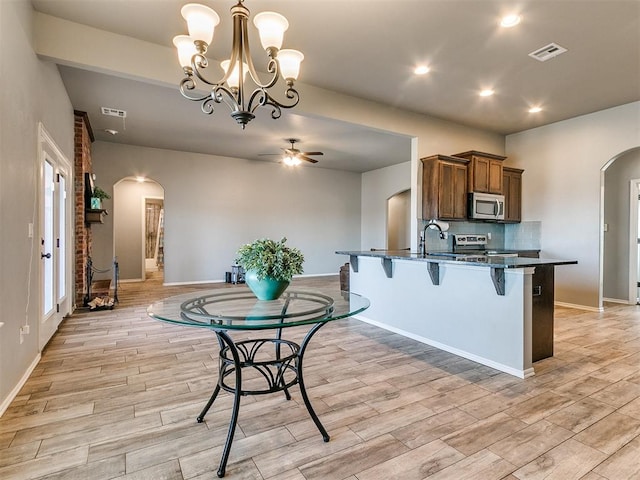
(280, 371)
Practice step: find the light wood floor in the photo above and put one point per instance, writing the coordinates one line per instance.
(116, 395)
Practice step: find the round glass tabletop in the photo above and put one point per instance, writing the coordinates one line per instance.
(238, 309)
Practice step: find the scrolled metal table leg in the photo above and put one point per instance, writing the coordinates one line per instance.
(236, 402)
(303, 390)
(206, 408)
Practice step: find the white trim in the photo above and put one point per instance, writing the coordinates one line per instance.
(529, 372)
(131, 280)
(14, 393)
(200, 282)
(634, 189)
(579, 307)
(618, 300)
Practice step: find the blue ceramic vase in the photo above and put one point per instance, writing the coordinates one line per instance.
(267, 288)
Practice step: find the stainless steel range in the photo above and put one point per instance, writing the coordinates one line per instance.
(474, 247)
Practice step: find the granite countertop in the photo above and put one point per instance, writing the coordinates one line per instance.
(449, 257)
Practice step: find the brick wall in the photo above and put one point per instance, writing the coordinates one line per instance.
(82, 164)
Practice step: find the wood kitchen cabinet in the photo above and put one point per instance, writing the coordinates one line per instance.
(485, 171)
(512, 191)
(444, 187)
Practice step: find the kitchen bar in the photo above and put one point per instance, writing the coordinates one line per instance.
(481, 307)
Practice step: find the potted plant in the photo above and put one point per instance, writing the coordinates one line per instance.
(269, 266)
(97, 196)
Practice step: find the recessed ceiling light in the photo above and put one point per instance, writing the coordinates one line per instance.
(535, 109)
(509, 21)
(486, 93)
(421, 70)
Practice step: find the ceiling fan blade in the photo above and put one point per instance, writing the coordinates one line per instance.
(302, 156)
(312, 153)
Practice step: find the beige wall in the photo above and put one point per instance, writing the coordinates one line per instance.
(213, 205)
(31, 94)
(562, 188)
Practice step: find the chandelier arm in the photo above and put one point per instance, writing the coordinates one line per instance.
(186, 85)
(207, 106)
(273, 66)
(261, 98)
(223, 94)
(198, 62)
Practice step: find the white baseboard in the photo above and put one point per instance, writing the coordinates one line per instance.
(201, 282)
(130, 280)
(618, 300)
(7, 401)
(579, 307)
(441, 346)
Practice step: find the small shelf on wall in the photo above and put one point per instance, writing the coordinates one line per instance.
(94, 215)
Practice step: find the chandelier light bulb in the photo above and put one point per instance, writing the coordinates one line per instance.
(234, 78)
(290, 63)
(186, 49)
(271, 26)
(201, 21)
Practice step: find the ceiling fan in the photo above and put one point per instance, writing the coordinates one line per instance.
(293, 156)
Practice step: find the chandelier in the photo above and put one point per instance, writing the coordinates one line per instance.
(232, 88)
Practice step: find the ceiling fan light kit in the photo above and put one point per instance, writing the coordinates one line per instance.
(292, 156)
(231, 88)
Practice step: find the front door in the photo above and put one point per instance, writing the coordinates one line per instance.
(54, 234)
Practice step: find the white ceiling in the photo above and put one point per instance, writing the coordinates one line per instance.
(368, 48)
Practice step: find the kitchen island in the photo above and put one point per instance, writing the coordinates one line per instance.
(475, 306)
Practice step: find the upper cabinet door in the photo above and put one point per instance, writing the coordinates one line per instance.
(444, 188)
(485, 171)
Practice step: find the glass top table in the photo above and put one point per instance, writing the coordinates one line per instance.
(239, 309)
(275, 361)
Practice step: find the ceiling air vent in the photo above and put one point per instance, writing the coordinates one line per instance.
(114, 112)
(545, 53)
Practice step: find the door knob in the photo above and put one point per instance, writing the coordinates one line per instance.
(45, 255)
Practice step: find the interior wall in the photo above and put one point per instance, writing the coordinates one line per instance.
(128, 227)
(616, 262)
(36, 95)
(563, 163)
(213, 205)
(399, 221)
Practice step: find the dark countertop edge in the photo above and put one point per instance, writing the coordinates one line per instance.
(493, 262)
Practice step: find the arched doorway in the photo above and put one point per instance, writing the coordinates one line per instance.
(620, 231)
(399, 221)
(138, 228)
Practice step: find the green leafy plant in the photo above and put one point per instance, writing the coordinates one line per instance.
(100, 193)
(271, 259)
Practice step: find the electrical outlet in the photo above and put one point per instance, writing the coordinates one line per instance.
(24, 329)
(489, 236)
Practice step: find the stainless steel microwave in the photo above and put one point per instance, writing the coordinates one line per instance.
(486, 206)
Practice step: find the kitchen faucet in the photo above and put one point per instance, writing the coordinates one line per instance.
(423, 237)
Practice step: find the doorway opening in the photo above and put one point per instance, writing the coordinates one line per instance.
(138, 229)
(153, 235)
(399, 221)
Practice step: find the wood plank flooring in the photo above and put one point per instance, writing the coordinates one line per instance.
(116, 394)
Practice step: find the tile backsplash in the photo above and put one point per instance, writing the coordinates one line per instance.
(516, 236)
